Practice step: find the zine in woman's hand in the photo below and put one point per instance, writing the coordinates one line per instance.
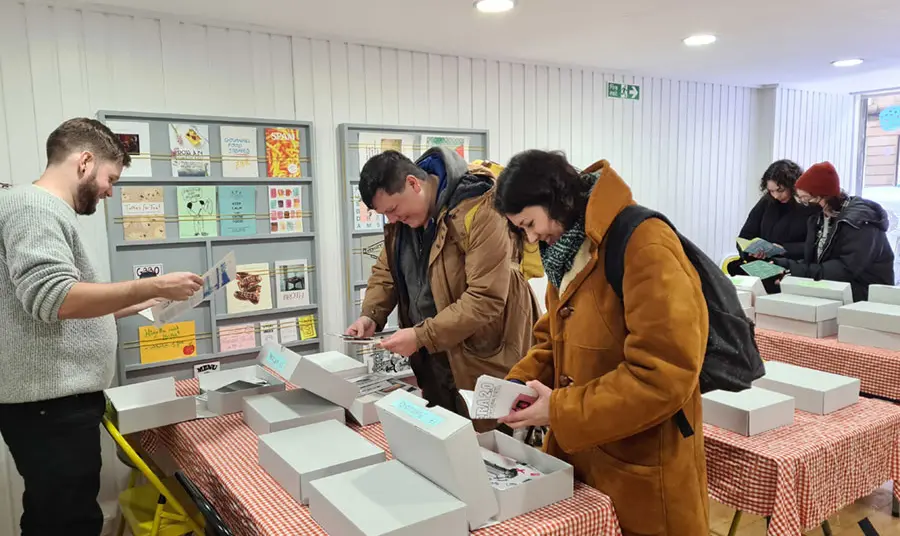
(537, 414)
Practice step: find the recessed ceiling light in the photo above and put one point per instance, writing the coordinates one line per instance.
(847, 63)
(494, 6)
(699, 40)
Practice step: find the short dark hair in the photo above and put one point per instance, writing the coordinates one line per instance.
(386, 171)
(836, 202)
(784, 173)
(84, 134)
(546, 179)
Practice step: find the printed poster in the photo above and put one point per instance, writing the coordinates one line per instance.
(372, 143)
(189, 147)
(237, 210)
(285, 209)
(364, 219)
(215, 278)
(239, 156)
(143, 213)
(135, 136)
(197, 216)
(460, 144)
(291, 283)
(283, 152)
(237, 337)
(164, 343)
(251, 290)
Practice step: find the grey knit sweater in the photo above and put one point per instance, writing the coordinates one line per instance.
(42, 255)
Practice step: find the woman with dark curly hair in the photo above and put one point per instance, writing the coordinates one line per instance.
(778, 217)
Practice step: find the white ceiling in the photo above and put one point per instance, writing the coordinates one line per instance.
(761, 42)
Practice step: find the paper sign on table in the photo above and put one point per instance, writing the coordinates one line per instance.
(171, 341)
(307, 327)
(217, 277)
(495, 398)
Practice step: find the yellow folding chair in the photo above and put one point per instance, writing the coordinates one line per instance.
(159, 508)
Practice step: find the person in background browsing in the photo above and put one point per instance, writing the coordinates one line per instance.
(464, 307)
(777, 216)
(847, 241)
(59, 335)
(610, 376)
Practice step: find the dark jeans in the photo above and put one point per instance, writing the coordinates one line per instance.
(56, 447)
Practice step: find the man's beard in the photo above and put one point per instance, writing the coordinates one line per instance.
(87, 196)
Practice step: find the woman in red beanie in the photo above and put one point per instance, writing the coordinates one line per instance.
(847, 241)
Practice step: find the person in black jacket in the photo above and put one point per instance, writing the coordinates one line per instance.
(778, 217)
(847, 241)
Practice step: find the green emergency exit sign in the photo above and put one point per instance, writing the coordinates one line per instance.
(615, 90)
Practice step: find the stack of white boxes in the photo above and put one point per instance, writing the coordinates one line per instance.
(746, 299)
(753, 285)
(874, 323)
(771, 402)
(804, 307)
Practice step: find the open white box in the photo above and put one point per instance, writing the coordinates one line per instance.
(813, 391)
(827, 290)
(869, 315)
(297, 456)
(151, 404)
(803, 308)
(869, 337)
(753, 285)
(386, 499)
(291, 408)
(556, 484)
(337, 377)
(223, 403)
(813, 330)
(884, 294)
(280, 360)
(748, 412)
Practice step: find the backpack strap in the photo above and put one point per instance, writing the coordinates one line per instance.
(617, 237)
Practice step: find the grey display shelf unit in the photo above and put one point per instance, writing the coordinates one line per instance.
(362, 246)
(198, 254)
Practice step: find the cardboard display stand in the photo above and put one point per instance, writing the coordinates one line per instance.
(293, 408)
(148, 405)
(813, 391)
(749, 412)
(297, 456)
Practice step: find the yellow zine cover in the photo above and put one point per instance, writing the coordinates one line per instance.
(171, 341)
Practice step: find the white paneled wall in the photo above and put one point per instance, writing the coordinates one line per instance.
(687, 149)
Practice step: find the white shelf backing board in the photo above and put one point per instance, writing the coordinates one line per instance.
(363, 245)
(197, 254)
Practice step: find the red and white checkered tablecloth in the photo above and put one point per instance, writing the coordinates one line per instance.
(878, 370)
(803, 473)
(219, 455)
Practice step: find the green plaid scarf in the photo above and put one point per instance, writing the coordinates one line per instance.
(559, 257)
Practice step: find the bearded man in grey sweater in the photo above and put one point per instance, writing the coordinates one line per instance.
(59, 333)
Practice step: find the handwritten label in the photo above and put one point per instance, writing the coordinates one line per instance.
(418, 413)
(275, 362)
(171, 341)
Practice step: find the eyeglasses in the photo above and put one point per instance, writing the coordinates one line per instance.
(807, 199)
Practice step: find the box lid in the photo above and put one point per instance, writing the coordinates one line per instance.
(142, 394)
(881, 316)
(337, 363)
(317, 446)
(278, 359)
(286, 405)
(828, 290)
(884, 294)
(797, 307)
(749, 284)
(806, 378)
(749, 400)
(441, 446)
(327, 375)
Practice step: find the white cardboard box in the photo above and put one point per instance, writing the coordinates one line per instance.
(750, 312)
(297, 456)
(884, 294)
(827, 290)
(753, 285)
(387, 499)
(280, 360)
(442, 447)
(556, 484)
(814, 330)
(796, 307)
(749, 412)
(273, 412)
(746, 298)
(869, 337)
(151, 404)
(223, 403)
(869, 315)
(326, 375)
(813, 391)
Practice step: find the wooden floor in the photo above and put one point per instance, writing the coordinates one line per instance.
(877, 507)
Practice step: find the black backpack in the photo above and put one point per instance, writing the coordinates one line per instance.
(732, 360)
